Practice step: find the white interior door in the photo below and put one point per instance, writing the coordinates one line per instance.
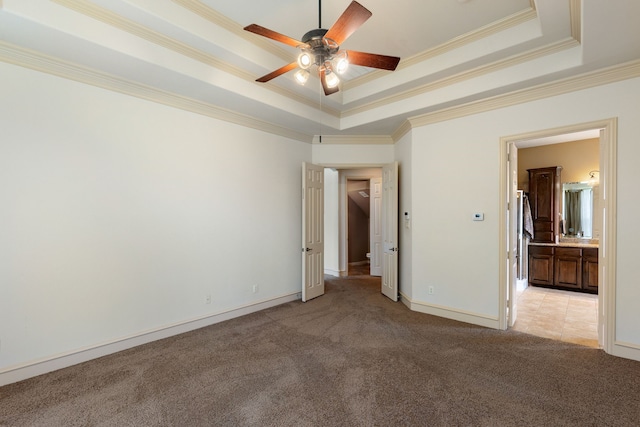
(512, 235)
(375, 226)
(312, 231)
(390, 231)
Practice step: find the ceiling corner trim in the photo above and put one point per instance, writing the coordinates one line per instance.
(43, 63)
(600, 77)
(575, 12)
(402, 130)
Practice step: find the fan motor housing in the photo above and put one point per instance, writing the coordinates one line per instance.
(321, 47)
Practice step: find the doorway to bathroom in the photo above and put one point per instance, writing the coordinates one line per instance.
(552, 256)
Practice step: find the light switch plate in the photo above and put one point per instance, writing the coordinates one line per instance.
(478, 216)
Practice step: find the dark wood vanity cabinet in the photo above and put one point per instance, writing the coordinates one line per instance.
(564, 267)
(590, 269)
(541, 265)
(568, 267)
(544, 197)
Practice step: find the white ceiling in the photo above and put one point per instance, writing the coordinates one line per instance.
(195, 55)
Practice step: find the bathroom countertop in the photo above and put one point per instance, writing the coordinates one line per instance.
(567, 244)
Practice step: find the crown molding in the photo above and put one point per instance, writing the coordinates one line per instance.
(514, 60)
(215, 17)
(402, 130)
(103, 15)
(106, 16)
(354, 140)
(47, 64)
(613, 74)
(575, 13)
(37, 61)
(460, 41)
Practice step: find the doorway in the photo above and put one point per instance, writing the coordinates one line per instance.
(603, 302)
(358, 227)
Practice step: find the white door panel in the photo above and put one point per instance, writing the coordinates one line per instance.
(312, 231)
(375, 227)
(390, 231)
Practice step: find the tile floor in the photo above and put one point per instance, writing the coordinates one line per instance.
(550, 313)
(561, 315)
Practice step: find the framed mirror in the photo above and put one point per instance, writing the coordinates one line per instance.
(577, 210)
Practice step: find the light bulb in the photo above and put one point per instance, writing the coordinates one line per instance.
(340, 62)
(331, 79)
(302, 76)
(304, 60)
(341, 65)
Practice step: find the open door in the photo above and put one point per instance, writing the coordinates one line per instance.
(312, 231)
(375, 226)
(390, 231)
(512, 235)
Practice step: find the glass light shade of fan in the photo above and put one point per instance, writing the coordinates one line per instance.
(340, 62)
(331, 79)
(302, 76)
(305, 60)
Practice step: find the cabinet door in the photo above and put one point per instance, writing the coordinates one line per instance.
(568, 266)
(590, 270)
(541, 265)
(544, 210)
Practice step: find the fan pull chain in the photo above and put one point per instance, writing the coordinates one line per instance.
(320, 105)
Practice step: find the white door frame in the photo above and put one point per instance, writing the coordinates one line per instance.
(606, 254)
(512, 217)
(349, 173)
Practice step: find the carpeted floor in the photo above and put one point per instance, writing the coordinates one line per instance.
(349, 358)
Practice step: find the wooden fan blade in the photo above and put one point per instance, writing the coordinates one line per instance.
(351, 19)
(278, 72)
(327, 90)
(373, 60)
(265, 32)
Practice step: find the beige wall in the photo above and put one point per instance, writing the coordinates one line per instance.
(577, 158)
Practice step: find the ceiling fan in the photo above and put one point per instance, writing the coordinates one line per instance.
(321, 48)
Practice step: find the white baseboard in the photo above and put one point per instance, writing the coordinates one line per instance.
(450, 313)
(330, 272)
(626, 350)
(521, 285)
(38, 367)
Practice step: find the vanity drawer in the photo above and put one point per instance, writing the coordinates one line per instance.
(569, 252)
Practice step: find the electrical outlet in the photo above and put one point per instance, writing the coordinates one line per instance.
(207, 299)
(255, 289)
(431, 290)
